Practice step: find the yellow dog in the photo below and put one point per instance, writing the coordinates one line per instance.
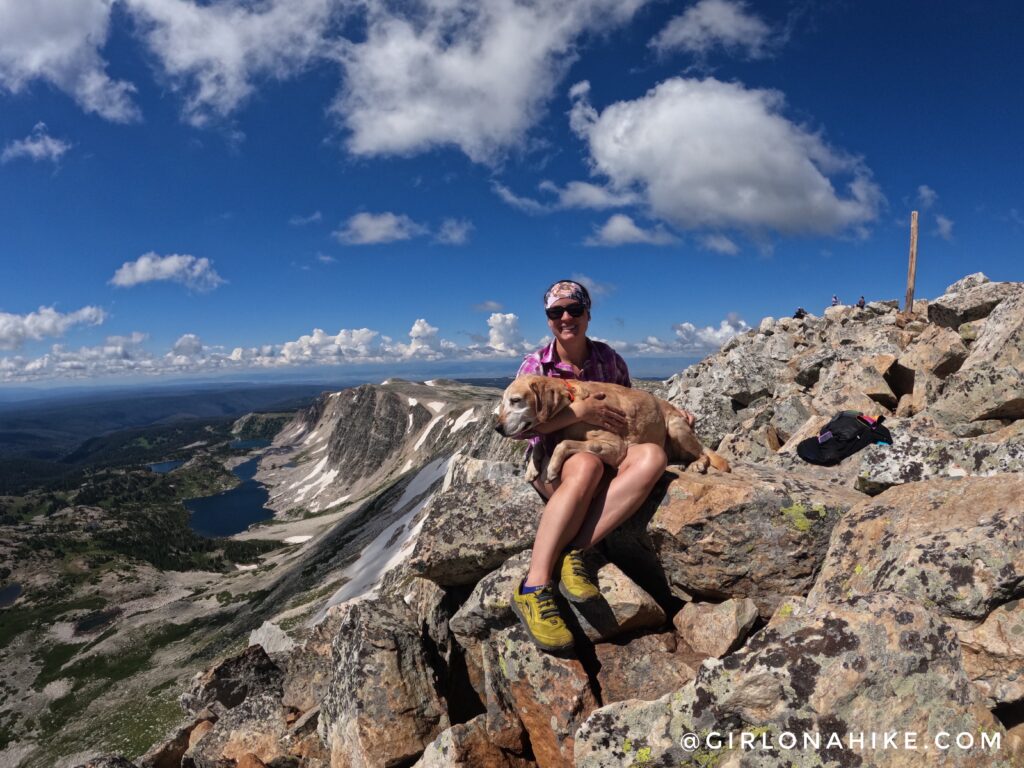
(533, 400)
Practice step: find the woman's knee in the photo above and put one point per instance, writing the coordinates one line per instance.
(649, 458)
(583, 468)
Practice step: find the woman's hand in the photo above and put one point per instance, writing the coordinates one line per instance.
(594, 410)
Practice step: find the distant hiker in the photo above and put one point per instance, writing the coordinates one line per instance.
(589, 500)
(835, 300)
(860, 303)
(800, 313)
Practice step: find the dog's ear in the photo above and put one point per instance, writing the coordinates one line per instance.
(548, 401)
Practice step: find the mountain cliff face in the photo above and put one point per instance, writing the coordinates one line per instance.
(880, 595)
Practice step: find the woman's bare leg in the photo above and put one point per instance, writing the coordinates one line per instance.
(639, 471)
(568, 503)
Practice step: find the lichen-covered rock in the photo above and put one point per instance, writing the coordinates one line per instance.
(383, 705)
(715, 413)
(309, 668)
(715, 629)
(912, 458)
(233, 680)
(965, 301)
(978, 393)
(470, 530)
(877, 663)
(993, 654)
(255, 727)
(645, 667)
(466, 746)
(624, 607)
(168, 753)
(938, 351)
(955, 545)
(758, 532)
(1001, 341)
(551, 695)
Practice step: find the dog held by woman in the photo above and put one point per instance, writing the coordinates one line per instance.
(532, 400)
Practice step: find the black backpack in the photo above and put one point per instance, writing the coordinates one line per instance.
(847, 433)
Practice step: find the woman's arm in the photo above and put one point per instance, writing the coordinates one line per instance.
(593, 410)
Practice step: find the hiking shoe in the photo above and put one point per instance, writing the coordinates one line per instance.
(541, 619)
(577, 583)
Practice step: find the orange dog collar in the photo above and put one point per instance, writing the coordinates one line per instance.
(572, 395)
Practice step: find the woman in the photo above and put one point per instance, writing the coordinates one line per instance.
(581, 509)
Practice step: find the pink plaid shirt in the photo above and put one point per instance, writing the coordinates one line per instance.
(602, 364)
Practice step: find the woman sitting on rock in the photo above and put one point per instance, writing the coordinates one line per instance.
(589, 499)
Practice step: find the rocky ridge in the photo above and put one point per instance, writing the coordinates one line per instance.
(881, 595)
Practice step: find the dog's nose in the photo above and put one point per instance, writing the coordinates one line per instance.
(499, 428)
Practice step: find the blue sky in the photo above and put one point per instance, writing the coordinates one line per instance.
(196, 188)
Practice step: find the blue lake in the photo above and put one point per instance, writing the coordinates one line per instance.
(9, 594)
(163, 467)
(231, 512)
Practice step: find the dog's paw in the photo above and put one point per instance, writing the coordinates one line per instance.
(552, 474)
(532, 472)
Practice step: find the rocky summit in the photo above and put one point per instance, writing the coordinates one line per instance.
(866, 614)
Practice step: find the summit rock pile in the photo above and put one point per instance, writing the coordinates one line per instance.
(782, 600)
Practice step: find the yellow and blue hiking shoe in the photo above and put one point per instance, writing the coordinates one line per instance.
(541, 619)
(576, 581)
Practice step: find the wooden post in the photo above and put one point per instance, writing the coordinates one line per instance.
(908, 305)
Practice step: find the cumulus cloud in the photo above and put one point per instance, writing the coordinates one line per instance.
(454, 232)
(196, 274)
(620, 229)
(464, 73)
(709, 154)
(301, 221)
(125, 355)
(216, 53)
(38, 145)
(373, 228)
(944, 227)
(59, 42)
(716, 23)
(719, 244)
(45, 322)
(189, 344)
(503, 333)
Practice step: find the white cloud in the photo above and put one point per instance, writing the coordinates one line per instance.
(944, 227)
(525, 204)
(15, 330)
(454, 232)
(301, 221)
(189, 345)
(196, 274)
(719, 244)
(216, 52)
(504, 334)
(38, 145)
(583, 194)
(708, 154)
(124, 355)
(926, 196)
(373, 228)
(488, 306)
(711, 23)
(620, 229)
(59, 42)
(324, 258)
(474, 74)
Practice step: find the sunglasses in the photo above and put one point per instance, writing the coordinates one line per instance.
(574, 310)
